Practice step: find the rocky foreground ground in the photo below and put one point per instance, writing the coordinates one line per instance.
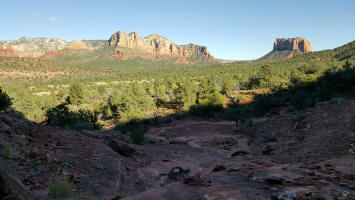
(281, 157)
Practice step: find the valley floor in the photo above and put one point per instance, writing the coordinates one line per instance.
(277, 159)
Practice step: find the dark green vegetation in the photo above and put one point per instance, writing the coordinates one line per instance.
(5, 101)
(103, 92)
(60, 189)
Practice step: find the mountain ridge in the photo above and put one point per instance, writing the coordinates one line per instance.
(152, 47)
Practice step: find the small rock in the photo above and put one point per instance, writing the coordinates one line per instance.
(219, 168)
(165, 180)
(74, 179)
(274, 178)
(239, 153)
(314, 167)
(286, 196)
(311, 173)
(268, 150)
(196, 180)
(227, 141)
(34, 152)
(117, 197)
(179, 140)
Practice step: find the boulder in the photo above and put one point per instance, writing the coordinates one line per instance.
(120, 147)
(10, 186)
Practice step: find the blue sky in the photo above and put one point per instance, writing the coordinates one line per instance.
(232, 29)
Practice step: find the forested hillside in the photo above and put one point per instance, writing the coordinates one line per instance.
(109, 93)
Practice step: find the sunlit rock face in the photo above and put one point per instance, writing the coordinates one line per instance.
(297, 43)
(157, 45)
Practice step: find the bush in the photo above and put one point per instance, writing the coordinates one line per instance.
(77, 120)
(137, 135)
(5, 101)
(263, 103)
(60, 189)
(207, 107)
(136, 129)
(7, 151)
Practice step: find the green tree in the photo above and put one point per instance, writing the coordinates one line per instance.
(206, 87)
(76, 94)
(128, 102)
(262, 79)
(185, 94)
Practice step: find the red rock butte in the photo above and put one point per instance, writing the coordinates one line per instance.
(297, 43)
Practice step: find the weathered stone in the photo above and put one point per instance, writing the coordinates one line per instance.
(274, 178)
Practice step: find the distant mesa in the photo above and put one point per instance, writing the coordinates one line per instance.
(286, 48)
(297, 43)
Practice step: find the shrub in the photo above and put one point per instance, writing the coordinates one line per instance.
(136, 129)
(301, 99)
(137, 135)
(78, 120)
(263, 104)
(208, 106)
(60, 189)
(7, 151)
(5, 101)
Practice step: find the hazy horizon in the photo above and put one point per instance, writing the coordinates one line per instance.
(232, 30)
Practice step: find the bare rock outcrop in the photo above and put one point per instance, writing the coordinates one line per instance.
(77, 45)
(34, 47)
(297, 43)
(7, 51)
(156, 45)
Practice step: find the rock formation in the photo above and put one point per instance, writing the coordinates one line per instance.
(126, 46)
(77, 45)
(156, 45)
(7, 52)
(297, 43)
(35, 47)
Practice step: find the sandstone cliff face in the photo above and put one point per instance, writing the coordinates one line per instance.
(35, 47)
(7, 52)
(298, 43)
(156, 45)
